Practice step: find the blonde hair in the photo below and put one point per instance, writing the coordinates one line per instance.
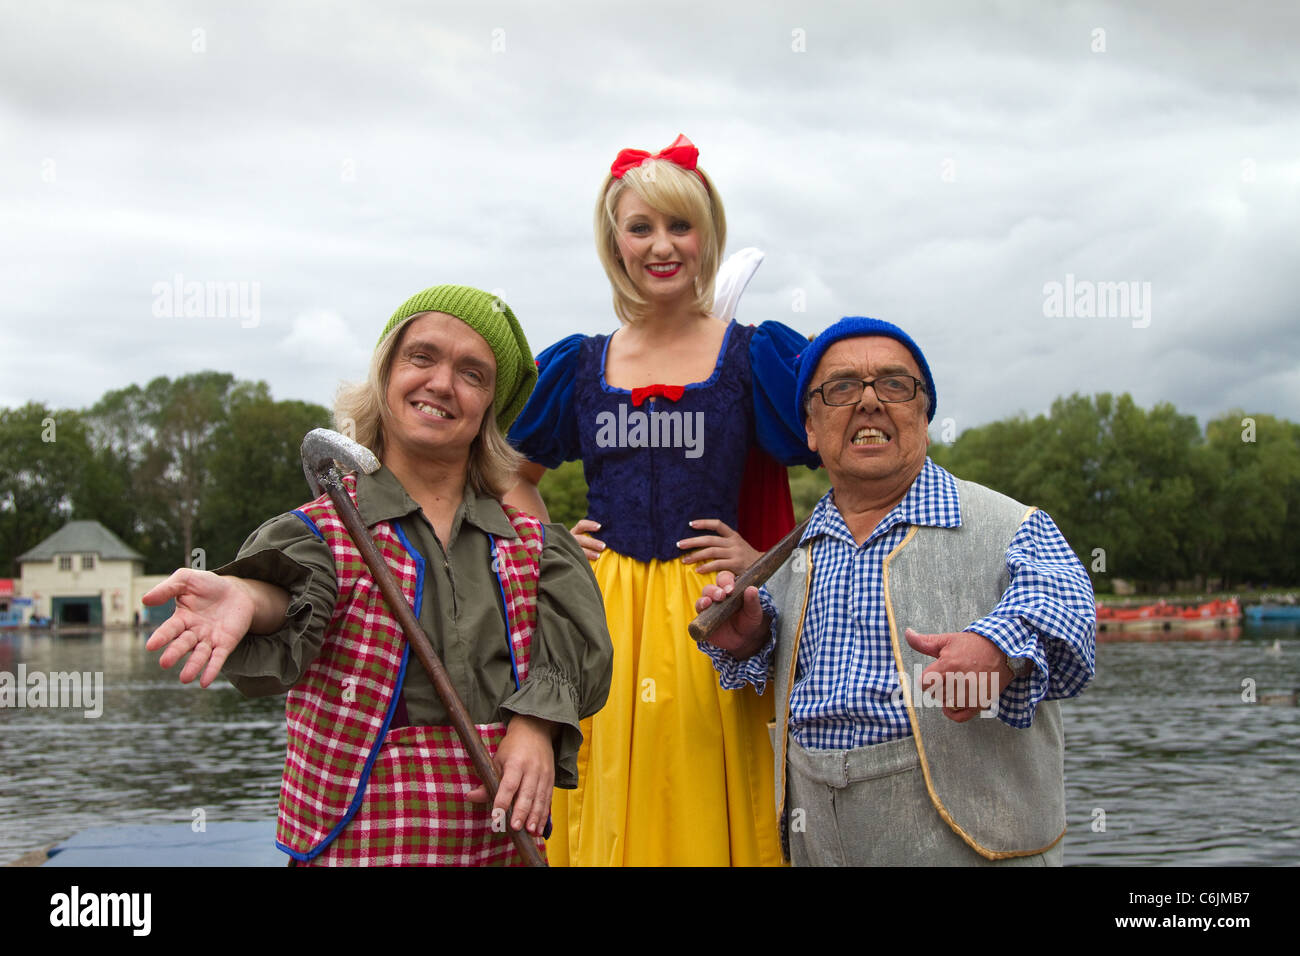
(361, 408)
(675, 192)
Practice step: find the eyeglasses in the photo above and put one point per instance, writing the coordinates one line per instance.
(888, 388)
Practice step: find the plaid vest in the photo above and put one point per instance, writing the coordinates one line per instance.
(338, 714)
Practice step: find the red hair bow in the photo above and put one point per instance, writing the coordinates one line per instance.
(681, 153)
(671, 392)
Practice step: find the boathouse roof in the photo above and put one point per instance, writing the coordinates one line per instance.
(82, 537)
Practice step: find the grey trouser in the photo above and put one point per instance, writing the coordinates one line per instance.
(869, 807)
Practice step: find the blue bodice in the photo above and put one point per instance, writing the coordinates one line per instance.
(653, 467)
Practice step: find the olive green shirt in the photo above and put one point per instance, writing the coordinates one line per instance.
(461, 612)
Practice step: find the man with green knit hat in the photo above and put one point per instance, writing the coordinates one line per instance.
(492, 319)
(374, 775)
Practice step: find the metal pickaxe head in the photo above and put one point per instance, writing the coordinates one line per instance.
(322, 448)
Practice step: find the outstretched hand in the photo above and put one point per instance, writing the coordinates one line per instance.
(965, 656)
(745, 632)
(212, 615)
(724, 550)
(525, 765)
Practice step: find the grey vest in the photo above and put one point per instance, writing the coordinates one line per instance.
(1002, 790)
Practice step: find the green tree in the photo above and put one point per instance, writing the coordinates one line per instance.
(806, 488)
(162, 436)
(43, 458)
(1285, 562)
(995, 454)
(1161, 502)
(254, 470)
(1148, 464)
(122, 430)
(1116, 479)
(564, 490)
(1257, 471)
(194, 408)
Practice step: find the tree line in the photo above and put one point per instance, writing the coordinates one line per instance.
(1148, 496)
(192, 466)
(180, 470)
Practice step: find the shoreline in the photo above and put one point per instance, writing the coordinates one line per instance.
(76, 630)
(1244, 599)
(37, 857)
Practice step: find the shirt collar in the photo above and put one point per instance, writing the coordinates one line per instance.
(381, 497)
(932, 501)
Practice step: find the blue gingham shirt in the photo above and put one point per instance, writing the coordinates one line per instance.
(846, 693)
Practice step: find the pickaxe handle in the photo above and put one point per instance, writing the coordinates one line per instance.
(460, 719)
(708, 620)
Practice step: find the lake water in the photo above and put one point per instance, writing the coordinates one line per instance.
(1165, 763)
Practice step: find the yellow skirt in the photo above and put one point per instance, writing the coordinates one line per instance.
(673, 771)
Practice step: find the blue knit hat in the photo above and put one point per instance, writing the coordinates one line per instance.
(850, 327)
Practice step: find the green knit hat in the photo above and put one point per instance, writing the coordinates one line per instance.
(491, 318)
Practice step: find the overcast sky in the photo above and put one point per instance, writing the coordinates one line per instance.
(933, 164)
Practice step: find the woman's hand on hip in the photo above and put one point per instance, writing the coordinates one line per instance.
(724, 550)
(591, 547)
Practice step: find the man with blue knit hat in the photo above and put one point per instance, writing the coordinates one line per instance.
(918, 637)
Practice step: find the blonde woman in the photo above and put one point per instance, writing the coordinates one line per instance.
(664, 413)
